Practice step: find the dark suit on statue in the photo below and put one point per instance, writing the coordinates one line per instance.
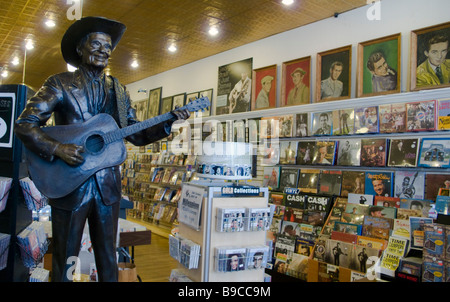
(74, 98)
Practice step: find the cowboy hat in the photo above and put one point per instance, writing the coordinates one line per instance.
(83, 27)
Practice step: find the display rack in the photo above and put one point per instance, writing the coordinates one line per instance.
(16, 215)
(209, 238)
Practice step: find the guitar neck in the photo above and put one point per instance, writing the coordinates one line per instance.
(132, 129)
(118, 134)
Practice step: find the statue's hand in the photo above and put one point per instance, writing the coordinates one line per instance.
(70, 153)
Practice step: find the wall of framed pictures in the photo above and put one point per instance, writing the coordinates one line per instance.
(353, 29)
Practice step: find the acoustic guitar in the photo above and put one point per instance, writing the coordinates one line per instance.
(104, 147)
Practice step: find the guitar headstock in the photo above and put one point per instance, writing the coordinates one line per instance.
(198, 104)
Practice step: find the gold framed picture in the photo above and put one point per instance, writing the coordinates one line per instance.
(430, 62)
(378, 70)
(296, 82)
(333, 70)
(264, 87)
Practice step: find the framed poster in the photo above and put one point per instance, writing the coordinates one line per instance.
(334, 69)
(209, 94)
(141, 107)
(430, 61)
(166, 104)
(178, 100)
(7, 111)
(296, 82)
(189, 98)
(264, 88)
(234, 87)
(154, 102)
(378, 66)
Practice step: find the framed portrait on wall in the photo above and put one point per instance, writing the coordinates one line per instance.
(178, 100)
(333, 74)
(264, 87)
(430, 58)
(166, 104)
(209, 94)
(234, 87)
(154, 101)
(378, 70)
(189, 98)
(141, 107)
(296, 82)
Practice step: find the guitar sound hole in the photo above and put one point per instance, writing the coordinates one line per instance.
(94, 143)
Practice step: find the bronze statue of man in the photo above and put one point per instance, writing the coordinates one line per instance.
(74, 98)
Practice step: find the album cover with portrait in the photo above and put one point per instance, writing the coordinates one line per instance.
(322, 123)
(352, 182)
(349, 152)
(379, 183)
(305, 150)
(366, 119)
(271, 176)
(286, 125)
(288, 152)
(409, 184)
(301, 125)
(324, 153)
(343, 121)
(403, 152)
(288, 178)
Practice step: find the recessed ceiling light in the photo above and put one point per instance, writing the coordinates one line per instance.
(4, 73)
(50, 23)
(172, 48)
(213, 31)
(29, 44)
(287, 2)
(135, 64)
(15, 60)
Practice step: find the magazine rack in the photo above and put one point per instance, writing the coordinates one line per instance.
(33, 203)
(209, 238)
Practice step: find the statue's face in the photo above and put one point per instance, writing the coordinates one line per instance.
(96, 50)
